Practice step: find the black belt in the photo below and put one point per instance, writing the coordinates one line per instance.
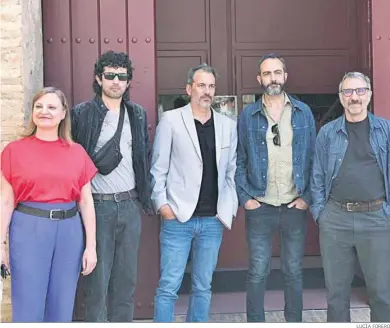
(117, 197)
(48, 214)
(374, 205)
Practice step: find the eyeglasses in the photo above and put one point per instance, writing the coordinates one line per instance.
(111, 76)
(275, 131)
(349, 92)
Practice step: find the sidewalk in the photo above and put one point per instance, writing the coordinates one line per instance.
(357, 315)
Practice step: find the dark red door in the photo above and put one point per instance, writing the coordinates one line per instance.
(320, 40)
(75, 33)
(380, 57)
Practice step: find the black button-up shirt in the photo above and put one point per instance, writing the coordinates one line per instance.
(208, 196)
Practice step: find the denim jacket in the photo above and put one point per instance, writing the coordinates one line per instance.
(331, 145)
(252, 152)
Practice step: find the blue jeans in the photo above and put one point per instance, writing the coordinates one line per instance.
(261, 224)
(176, 237)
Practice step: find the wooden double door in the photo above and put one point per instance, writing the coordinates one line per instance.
(320, 40)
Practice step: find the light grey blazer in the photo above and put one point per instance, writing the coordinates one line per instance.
(177, 164)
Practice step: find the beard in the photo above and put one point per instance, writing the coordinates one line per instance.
(355, 107)
(274, 89)
(113, 93)
(205, 105)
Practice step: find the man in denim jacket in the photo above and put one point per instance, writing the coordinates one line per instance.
(276, 138)
(350, 190)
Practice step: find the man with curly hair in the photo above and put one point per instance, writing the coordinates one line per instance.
(113, 130)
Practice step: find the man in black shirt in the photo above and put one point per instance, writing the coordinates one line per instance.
(193, 167)
(350, 192)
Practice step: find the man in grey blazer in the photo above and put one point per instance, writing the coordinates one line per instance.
(193, 167)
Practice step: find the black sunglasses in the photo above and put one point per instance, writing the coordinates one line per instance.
(275, 131)
(111, 76)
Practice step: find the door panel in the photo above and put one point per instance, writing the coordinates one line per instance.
(113, 32)
(183, 41)
(182, 22)
(84, 53)
(303, 67)
(220, 31)
(57, 47)
(172, 69)
(141, 27)
(75, 33)
(380, 53)
(298, 24)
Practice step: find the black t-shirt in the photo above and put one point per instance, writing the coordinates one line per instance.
(208, 196)
(360, 177)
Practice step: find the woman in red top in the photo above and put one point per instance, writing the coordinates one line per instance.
(45, 181)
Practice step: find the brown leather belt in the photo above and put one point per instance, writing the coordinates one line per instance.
(117, 197)
(48, 214)
(374, 205)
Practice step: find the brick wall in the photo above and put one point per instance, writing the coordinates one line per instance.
(21, 70)
(21, 75)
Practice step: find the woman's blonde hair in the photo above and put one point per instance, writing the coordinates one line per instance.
(64, 128)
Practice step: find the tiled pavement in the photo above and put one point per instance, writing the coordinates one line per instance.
(313, 299)
(234, 304)
(357, 315)
(230, 307)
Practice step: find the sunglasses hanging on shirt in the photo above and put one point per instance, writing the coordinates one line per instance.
(275, 131)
